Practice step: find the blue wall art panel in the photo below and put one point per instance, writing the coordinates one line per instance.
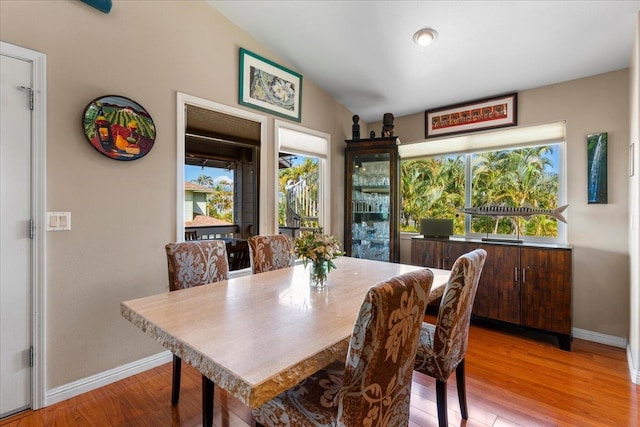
(597, 168)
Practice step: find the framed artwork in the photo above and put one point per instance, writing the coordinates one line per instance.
(269, 87)
(481, 114)
(118, 127)
(597, 168)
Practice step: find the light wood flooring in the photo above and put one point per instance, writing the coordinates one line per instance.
(512, 380)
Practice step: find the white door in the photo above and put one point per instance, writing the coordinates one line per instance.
(15, 241)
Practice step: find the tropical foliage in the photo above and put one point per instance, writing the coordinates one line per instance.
(435, 187)
(219, 203)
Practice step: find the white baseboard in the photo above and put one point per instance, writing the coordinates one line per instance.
(611, 340)
(93, 382)
(634, 373)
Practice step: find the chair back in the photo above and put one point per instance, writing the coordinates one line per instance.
(451, 334)
(379, 366)
(196, 263)
(238, 254)
(270, 252)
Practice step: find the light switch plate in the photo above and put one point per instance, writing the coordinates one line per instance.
(58, 221)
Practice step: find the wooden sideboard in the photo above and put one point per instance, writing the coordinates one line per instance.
(522, 284)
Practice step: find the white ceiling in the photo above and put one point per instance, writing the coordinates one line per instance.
(362, 52)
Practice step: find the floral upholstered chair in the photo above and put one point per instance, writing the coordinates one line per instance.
(373, 387)
(443, 346)
(190, 264)
(270, 252)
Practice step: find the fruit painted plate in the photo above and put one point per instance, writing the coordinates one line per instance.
(118, 127)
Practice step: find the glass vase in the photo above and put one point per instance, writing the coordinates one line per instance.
(318, 272)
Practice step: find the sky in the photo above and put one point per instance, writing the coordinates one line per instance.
(193, 172)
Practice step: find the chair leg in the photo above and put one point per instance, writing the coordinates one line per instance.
(207, 402)
(441, 401)
(462, 392)
(175, 382)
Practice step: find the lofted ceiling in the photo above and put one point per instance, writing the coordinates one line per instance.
(362, 52)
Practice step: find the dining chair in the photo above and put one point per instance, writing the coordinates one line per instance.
(191, 264)
(443, 346)
(373, 386)
(238, 254)
(270, 252)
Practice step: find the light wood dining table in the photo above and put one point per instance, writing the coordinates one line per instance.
(259, 335)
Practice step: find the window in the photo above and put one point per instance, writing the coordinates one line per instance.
(432, 187)
(303, 157)
(298, 191)
(524, 177)
(524, 171)
(209, 192)
(224, 144)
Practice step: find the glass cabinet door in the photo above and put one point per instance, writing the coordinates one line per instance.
(371, 206)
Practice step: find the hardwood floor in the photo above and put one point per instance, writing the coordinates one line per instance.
(512, 380)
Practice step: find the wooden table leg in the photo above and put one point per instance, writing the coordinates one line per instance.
(175, 381)
(207, 402)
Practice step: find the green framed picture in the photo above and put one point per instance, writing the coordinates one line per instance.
(267, 86)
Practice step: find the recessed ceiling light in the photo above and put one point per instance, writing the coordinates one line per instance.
(425, 36)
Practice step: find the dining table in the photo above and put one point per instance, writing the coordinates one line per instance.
(258, 335)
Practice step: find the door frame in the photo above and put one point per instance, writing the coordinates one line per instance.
(265, 192)
(38, 206)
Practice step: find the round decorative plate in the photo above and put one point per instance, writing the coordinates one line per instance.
(118, 127)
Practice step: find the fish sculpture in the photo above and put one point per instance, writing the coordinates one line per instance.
(525, 211)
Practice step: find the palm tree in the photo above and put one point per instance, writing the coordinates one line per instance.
(204, 180)
(530, 184)
(513, 178)
(410, 187)
(488, 185)
(432, 187)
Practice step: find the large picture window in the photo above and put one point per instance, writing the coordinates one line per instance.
(530, 174)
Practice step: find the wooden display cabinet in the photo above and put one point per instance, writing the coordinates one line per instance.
(372, 202)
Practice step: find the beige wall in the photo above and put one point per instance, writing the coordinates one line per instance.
(599, 233)
(123, 213)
